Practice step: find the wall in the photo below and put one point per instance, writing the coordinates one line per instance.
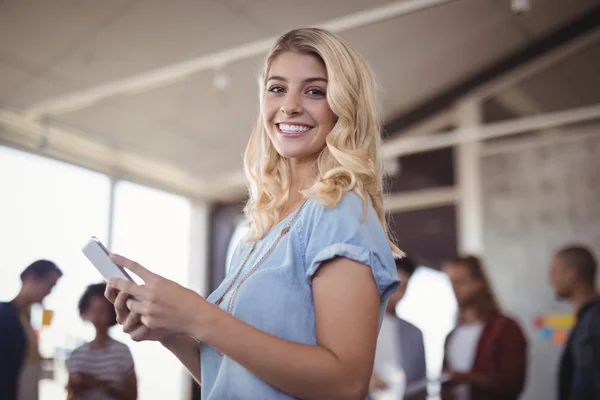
(426, 234)
(538, 196)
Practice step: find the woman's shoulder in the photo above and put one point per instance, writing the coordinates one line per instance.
(80, 351)
(350, 219)
(119, 346)
(350, 206)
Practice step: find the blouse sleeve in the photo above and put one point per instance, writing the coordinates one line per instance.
(343, 231)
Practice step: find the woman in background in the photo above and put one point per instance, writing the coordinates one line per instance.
(486, 354)
(299, 312)
(103, 368)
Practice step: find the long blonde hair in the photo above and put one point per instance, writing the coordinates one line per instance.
(350, 160)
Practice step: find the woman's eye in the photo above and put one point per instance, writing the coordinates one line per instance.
(275, 89)
(316, 92)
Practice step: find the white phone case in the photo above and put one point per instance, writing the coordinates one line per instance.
(99, 257)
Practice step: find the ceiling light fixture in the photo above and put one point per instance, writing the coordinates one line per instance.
(221, 80)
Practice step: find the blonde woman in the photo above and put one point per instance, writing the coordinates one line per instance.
(297, 315)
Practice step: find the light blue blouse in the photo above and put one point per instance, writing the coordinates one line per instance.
(277, 298)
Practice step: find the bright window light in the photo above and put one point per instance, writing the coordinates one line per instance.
(153, 228)
(49, 209)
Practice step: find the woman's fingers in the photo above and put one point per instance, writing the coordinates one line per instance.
(132, 323)
(121, 307)
(132, 266)
(136, 307)
(140, 333)
(111, 293)
(128, 287)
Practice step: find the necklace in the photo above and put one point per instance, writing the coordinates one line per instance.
(257, 265)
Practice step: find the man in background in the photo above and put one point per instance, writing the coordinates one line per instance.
(20, 361)
(400, 346)
(573, 276)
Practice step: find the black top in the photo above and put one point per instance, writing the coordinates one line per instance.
(13, 344)
(579, 374)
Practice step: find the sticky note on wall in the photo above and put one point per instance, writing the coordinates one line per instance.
(554, 327)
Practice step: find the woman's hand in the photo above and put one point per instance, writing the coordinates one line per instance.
(165, 307)
(131, 322)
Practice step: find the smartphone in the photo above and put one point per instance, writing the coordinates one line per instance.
(99, 256)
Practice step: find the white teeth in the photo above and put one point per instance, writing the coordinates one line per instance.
(293, 128)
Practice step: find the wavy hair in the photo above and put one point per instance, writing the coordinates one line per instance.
(350, 160)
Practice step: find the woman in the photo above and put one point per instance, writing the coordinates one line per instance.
(298, 314)
(102, 369)
(486, 354)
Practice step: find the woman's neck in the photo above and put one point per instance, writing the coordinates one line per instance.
(101, 340)
(302, 176)
(302, 173)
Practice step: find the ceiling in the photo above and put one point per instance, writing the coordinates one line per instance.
(187, 134)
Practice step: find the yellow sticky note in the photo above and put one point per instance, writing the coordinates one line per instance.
(565, 321)
(47, 316)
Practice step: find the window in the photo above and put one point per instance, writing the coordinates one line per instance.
(429, 303)
(153, 228)
(49, 209)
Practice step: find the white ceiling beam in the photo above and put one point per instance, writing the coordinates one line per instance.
(576, 134)
(535, 66)
(411, 145)
(420, 199)
(177, 72)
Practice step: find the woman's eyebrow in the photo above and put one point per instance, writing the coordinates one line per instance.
(307, 80)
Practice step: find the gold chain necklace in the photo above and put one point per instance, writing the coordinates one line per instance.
(256, 266)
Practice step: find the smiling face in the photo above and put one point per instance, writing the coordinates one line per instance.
(295, 110)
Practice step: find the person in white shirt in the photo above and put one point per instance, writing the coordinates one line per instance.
(486, 354)
(102, 369)
(400, 354)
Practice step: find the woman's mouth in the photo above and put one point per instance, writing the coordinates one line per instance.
(292, 130)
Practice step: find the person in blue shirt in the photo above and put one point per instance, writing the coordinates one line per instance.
(298, 314)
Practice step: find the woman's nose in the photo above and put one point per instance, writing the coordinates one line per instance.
(291, 105)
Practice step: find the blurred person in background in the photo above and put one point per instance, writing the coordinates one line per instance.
(400, 343)
(20, 361)
(486, 353)
(299, 312)
(102, 369)
(573, 276)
